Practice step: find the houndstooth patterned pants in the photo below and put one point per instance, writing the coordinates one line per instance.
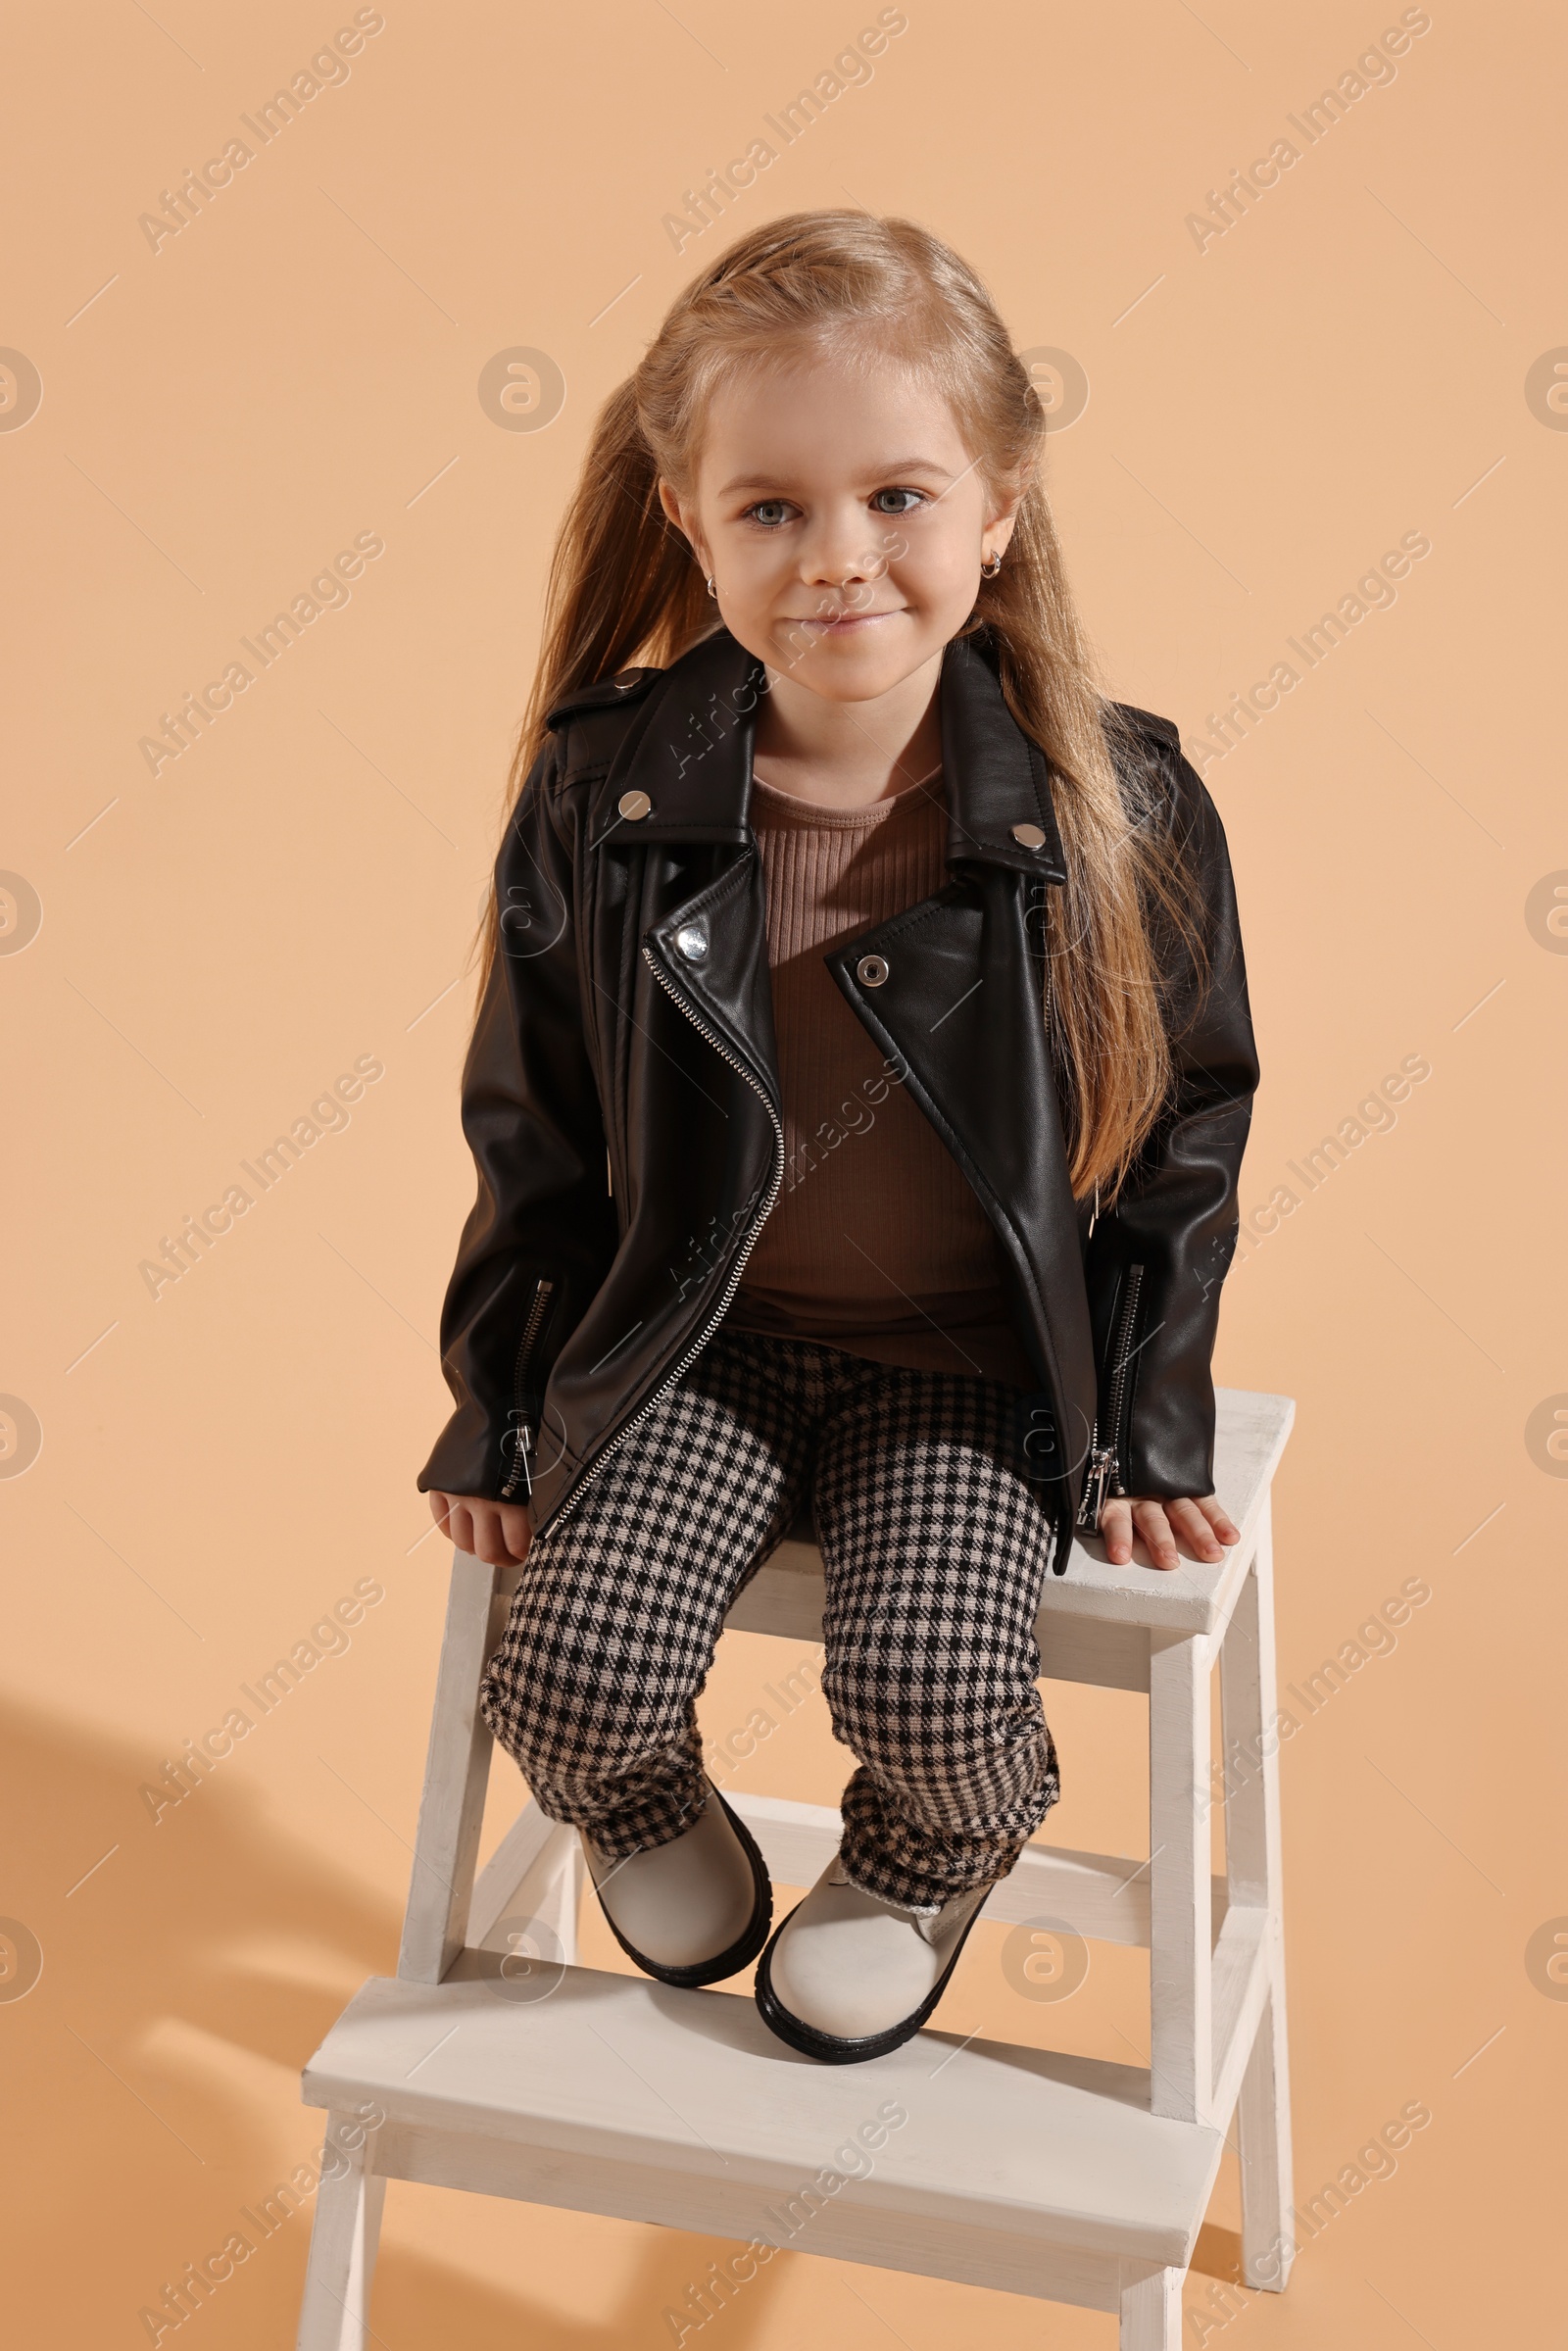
(934, 1546)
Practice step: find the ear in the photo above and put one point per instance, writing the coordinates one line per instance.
(676, 512)
(1004, 513)
(998, 532)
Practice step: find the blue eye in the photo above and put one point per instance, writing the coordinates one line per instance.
(915, 498)
(768, 512)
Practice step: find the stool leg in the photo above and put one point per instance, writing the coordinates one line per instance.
(1180, 1900)
(557, 1912)
(457, 1771)
(1150, 2308)
(1252, 1872)
(1263, 2127)
(335, 2308)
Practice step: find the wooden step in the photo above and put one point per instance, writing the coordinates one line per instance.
(1002, 2165)
(533, 1879)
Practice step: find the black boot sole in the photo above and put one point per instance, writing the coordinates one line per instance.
(742, 1951)
(830, 2048)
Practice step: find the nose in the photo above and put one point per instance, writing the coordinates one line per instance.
(839, 552)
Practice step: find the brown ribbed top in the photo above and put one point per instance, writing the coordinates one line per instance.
(876, 1244)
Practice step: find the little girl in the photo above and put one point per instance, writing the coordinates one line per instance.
(859, 1082)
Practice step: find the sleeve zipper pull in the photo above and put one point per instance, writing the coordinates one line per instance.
(1100, 1463)
(523, 1473)
(543, 1292)
(1102, 1459)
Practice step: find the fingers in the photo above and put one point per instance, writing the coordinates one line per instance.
(489, 1539)
(1191, 1528)
(1203, 1527)
(1198, 1522)
(459, 1526)
(452, 1518)
(456, 1515)
(1223, 1525)
(1116, 1526)
(1119, 1520)
(1153, 1526)
(498, 1533)
(517, 1530)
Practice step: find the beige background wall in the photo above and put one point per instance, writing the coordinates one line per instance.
(1363, 353)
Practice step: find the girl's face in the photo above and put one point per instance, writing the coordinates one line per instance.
(842, 520)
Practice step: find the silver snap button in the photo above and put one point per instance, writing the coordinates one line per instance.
(633, 805)
(1029, 836)
(871, 971)
(692, 940)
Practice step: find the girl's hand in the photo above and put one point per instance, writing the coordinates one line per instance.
(498, 1533)
(1198, 1522)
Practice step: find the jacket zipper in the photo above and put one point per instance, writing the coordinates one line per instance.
(1061, 1536)
(543, 1292)
(1105, 1465)
(575, 1492)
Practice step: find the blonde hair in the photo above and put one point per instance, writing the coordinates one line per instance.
(624, 587)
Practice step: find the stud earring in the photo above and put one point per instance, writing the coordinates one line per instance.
(991, 567)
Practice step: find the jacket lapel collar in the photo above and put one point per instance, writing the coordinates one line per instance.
(690, 750)
(997, 778)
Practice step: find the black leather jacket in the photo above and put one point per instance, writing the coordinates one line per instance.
(620, 1095)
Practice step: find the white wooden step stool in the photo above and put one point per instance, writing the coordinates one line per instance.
(1070, 2177)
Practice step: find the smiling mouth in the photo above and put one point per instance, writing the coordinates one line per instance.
(842, 623)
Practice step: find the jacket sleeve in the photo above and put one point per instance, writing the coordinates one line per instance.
(541, 1233)
(1154, 1263)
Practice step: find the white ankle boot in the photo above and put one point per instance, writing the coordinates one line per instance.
(691, 1910)
(849, 1976)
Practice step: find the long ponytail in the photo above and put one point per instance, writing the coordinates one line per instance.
(622, 586)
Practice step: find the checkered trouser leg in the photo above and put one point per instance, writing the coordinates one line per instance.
(934, 1548)
(621, 1599)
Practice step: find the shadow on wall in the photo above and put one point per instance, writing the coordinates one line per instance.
(154, 2082)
